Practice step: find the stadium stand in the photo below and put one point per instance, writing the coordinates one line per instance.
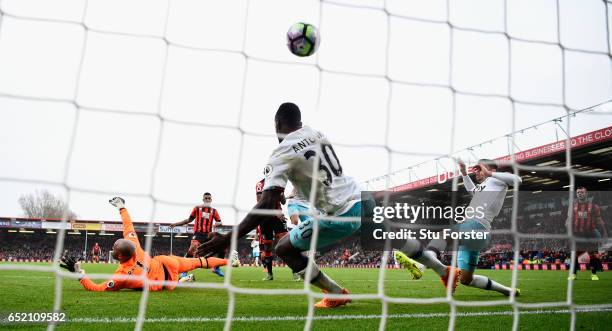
(544, 213)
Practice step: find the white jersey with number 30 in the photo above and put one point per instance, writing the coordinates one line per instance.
(294, 160)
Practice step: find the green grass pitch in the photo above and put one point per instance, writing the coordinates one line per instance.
(189, 308)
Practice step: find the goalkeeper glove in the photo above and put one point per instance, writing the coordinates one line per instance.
(117, 202)
(70, 264)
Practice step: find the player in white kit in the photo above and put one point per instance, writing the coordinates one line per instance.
(335, 195)
(255, 254)
(489, 194)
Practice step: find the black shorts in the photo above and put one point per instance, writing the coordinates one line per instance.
(592, 243)
(202, 237)
(270, 229)
(595, 263)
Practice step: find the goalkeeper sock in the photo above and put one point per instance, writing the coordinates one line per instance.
(485, 283)
(321, 280)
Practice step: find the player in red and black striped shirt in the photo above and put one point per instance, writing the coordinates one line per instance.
(587, 223)
(95, 253)
(267, 231)
(205, 217)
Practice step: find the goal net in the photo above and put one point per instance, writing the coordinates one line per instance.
(159, 101)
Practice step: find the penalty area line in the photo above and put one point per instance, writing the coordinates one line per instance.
(326, 317)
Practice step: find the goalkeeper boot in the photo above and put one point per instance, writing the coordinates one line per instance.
(269, 277)
(117, 202)
(408, 263)
(332, 303)
(572, 277)
(234, 259)
(455, 279)
(187, 278)
(296, 277)
(217, 271)
(594, 277)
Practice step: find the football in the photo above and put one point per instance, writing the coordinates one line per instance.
(303, 39)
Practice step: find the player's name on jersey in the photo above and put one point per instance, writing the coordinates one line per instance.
(300, 145)
(381, 234)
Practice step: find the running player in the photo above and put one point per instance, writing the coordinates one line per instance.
(587, 223)
(268, 231)
(135, 262)
(204, 215)
(335, 194)
(95, 253)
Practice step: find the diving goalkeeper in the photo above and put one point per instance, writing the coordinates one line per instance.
(163, 269)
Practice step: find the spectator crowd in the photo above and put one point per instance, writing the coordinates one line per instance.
(534, 219)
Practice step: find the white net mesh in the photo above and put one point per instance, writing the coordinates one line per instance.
(123, 98)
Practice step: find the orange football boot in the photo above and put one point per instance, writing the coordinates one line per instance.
(455, 280)
(333, 303)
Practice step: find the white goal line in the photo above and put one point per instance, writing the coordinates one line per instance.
(330, 317)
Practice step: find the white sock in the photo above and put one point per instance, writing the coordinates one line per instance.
(488, 284)
(413, 249)
(321, 280)
(429, 259)
(439, 244)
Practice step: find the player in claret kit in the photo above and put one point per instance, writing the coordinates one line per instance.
(268, 231)
(162, 269)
